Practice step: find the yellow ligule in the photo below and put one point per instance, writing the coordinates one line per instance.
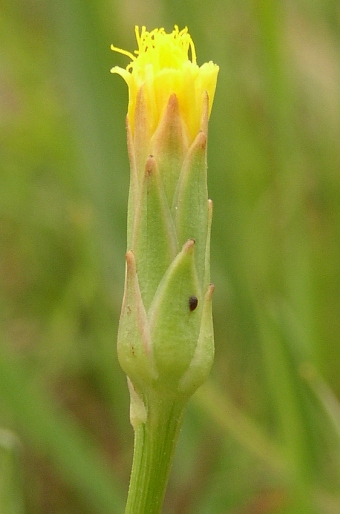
(162, 65)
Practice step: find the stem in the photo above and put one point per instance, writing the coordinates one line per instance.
(155, 442)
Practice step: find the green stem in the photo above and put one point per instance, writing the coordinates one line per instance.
(155, 442)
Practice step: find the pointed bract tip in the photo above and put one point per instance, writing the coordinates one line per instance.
(173, 105)
(150, 165)
(189, 245)
(130, 259)
(211, 289)
(201, 140)
(205, 112)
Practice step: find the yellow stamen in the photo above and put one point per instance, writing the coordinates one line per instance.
(124, 52)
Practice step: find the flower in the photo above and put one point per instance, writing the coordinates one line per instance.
(161, 67)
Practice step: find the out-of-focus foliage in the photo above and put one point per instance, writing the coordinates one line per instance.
(264, 435)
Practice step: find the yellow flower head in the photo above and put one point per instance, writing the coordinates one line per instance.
(162, 66)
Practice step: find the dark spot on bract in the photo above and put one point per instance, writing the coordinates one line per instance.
(193, 302)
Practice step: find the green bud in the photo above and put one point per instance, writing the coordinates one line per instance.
(165, 338)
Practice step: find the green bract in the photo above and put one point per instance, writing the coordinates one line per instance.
(165, 339)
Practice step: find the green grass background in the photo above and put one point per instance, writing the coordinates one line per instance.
(263, 436)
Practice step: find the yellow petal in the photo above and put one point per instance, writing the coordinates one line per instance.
(162, 65)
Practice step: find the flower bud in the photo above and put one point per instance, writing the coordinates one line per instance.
(165, 337)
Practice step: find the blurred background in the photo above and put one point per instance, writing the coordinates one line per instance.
(263, 435)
